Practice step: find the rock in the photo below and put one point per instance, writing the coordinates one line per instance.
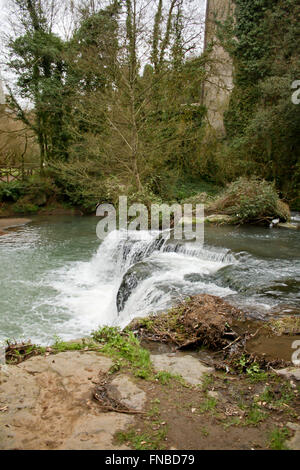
(190, 368)
(48, 404)
(290, 373)
(288, 225)
(213, 394)
(294, 442)
(13, 222)
(126, 392)
(219, 219)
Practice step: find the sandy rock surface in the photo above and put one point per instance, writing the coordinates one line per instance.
(46, 403)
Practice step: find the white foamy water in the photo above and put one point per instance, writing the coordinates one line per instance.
(88, 290)
(57, 279)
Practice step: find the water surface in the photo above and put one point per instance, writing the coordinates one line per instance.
(56, 278)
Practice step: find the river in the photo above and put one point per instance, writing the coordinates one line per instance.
(57, 278)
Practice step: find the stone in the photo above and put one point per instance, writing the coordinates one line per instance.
(190, 368)
(288, 225)
(290, 373)
(47, 403)
(294, 442)
(126, 392)
(219, 219)
(213, 394)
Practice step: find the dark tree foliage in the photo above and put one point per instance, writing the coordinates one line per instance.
(262, 122)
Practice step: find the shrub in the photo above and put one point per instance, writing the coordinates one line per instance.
(25, 207)
(251, 200)
(11, 192)
(80, 182)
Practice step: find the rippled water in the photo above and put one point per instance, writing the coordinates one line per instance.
(57, 279)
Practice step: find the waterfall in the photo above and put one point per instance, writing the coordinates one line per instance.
(133, 274)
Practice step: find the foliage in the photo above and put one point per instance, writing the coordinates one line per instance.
(277, 439)
(250, 200)
(11, 191)
(124, 347)
(262, 123)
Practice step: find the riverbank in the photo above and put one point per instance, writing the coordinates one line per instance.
(11, 222)
(112, 392)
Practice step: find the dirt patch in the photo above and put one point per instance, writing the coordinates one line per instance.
(191, 418)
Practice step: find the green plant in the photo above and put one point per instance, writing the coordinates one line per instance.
(254, 416)
(124, 346)
(151, 440)
(252, 369)
(250, 199)
(11, 192)
(165, 377)
(277, 439)
(209, 404)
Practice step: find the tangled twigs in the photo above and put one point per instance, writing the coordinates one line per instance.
(19, 352)
(202, 320)
(107, 402)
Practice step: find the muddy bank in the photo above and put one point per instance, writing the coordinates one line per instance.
(206, 321)
(10, 222)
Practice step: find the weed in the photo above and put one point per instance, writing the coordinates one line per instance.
(127, 347)
(255, 416)
(144, 440)
(277, 439)
(209, 404)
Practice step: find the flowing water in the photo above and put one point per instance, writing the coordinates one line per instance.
(57, 278)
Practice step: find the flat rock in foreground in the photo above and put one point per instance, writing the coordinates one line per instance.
(190, 368)
(45, 403)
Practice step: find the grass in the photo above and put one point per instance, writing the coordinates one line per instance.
(277, 439)
(207, 381)
(271, 397)
(125, 348)
(146, 440)
(255, 416)
(62, 346)
(150, 438)
(209, 404)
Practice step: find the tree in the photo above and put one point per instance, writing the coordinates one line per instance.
(262, 122)
(36, 56)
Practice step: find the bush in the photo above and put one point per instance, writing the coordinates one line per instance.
(80, 182)
(11, 192)
(250, 200)
(25, 207)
